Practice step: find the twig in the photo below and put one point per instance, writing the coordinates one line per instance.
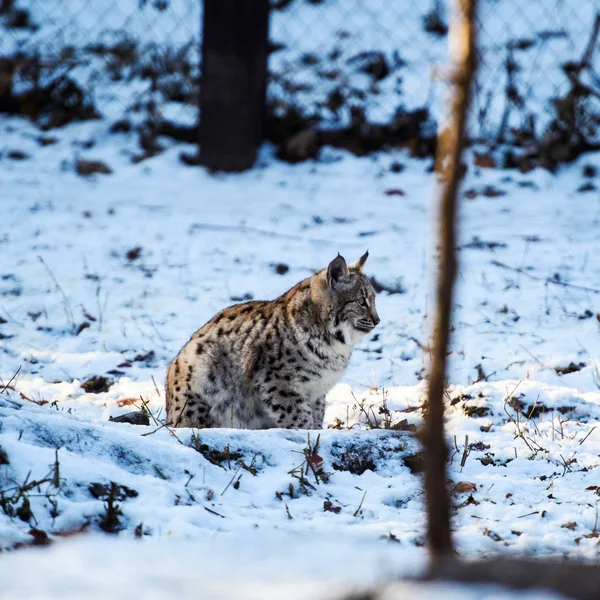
(8, 386)
(163, 426)
(155, 386)
(465, 455)
(589, 50)
(66, 302)
(566, 464)
(423, 347)
(516, 423)
(273, 234)
(584, 288)
(535, 512)
(232, 479)
(534, 357)
(180, 415)
(148, 411)
(56, 470)
(587, 436)
(363, 410)
(159, 472)
(360, 505)
(456, 450)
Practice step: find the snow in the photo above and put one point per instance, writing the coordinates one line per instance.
(331, 570)
(524, 374)
(206, 239)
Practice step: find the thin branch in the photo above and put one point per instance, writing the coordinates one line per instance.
(584, 288)
(8, 385)
(587, 55)
(66, 302)
(448, 161)
(272, 234)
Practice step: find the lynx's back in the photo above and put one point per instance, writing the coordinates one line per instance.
(270, 364)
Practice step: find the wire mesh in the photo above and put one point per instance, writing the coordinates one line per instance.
(328, 57)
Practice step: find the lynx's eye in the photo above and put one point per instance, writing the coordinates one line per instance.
(363, 302)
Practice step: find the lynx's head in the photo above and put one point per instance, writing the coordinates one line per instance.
(348, 299)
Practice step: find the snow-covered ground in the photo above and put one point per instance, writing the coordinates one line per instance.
(528, 483)
(107, 276)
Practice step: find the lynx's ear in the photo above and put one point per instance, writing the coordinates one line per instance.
(358, 265)
(337, 271)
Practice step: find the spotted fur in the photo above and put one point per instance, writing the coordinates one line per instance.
(270, 364)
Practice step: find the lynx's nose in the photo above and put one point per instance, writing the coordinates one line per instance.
(375, 317)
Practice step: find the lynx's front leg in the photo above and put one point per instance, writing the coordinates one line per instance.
(287, 409)
(318, 412)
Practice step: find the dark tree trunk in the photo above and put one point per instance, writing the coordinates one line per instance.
(234, 77)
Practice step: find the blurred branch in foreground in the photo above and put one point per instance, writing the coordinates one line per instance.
(450, 146)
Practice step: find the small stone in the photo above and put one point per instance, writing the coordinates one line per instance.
(590, 171)
(134, 253)
(17, 155)
(133, 418)
(587, 187)
(85, 168)
(46, 141)
(121, 126)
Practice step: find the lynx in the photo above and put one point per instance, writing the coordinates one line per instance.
(268, 364)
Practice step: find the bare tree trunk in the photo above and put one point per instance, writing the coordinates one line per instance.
(461, 38)
(234, 77)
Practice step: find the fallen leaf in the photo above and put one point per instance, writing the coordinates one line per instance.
(570, 525)
(465, 486)
(486, 161)
(40, 538)
(316, 461)
(126, 402)
(404, 425)
(97, 384)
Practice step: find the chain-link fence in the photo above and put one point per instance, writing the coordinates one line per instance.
(328, 57)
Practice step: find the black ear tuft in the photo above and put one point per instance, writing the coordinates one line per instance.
(337, 270)
(358, 265)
